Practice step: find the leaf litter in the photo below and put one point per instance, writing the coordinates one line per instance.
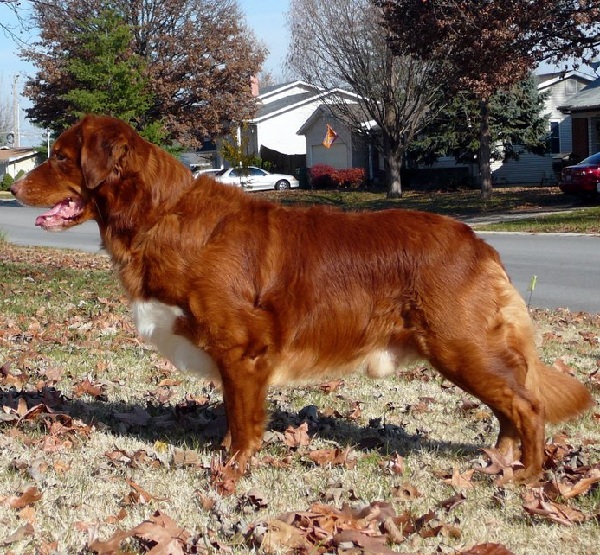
(346, 467)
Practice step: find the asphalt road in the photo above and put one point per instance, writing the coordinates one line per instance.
(567, 266)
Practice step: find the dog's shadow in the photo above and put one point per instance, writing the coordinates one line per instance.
(191, 424)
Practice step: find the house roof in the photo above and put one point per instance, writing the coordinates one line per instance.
(336, 113)
(300, 93)
(14, 154)
(548, 79)
(587, 99)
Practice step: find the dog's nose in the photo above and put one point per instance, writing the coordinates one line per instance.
(14, 189)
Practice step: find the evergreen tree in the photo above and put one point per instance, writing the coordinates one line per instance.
(108, 78)
(516, 124)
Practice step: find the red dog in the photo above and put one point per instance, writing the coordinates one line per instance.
(252, 294)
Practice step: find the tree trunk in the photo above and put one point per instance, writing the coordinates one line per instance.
(393, 162)
(485, 151)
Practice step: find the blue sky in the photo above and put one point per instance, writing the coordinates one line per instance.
(267, 18)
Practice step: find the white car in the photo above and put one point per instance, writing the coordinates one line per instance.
(209, 171)
(256, 179)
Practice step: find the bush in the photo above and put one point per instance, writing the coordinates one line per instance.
(323, 176)
(7, 181)
(350, 178)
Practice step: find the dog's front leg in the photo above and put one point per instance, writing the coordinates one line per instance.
(245, 385)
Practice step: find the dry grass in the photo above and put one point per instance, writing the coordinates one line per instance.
(118, 435)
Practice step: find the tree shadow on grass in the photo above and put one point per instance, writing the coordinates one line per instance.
(190, 423)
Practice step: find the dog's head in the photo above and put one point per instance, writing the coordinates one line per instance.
(87, 156)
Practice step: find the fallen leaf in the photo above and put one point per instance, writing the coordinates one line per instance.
(297, 437)
(21, 533)
(280, 535)
(86, 387)
(461, 481)
(331, 386)
(30, 496)
(487, 549)
(405, 492)
(537, 503)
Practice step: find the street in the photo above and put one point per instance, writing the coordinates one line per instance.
(567, 266)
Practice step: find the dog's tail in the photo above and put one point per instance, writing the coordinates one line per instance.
(563, 396)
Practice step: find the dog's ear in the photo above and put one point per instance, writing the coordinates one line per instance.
(102, 151)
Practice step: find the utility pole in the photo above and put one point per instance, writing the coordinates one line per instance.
(16, 118)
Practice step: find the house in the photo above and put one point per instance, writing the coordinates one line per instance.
(582, 110)
(282, 111)
(350, 150)
(347, 149)
(544, 170)
(15, 160)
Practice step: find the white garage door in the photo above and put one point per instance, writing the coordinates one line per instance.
(336, 156)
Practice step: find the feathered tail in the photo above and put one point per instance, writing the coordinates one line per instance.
(563, 396)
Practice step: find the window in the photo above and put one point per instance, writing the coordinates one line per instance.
(554, 137)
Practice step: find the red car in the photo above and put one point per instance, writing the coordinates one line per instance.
(583, 178)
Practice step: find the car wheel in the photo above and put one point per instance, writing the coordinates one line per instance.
(282, 185)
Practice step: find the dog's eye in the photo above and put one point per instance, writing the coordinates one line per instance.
(59, 156)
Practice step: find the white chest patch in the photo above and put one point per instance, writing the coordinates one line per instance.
(155, 321)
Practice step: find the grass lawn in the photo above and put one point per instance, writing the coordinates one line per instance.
(105, 447)
(527, 209)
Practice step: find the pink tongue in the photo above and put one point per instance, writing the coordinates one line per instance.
(61, 211)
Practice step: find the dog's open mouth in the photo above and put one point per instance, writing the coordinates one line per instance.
(63, 214)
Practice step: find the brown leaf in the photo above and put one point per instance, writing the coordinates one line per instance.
(331, 386)
(394, 465)
(461, 481)
(224, 477)
(30, 496)
(334, 457)
(169, 538)
(487, 549)
(168, 383)
(185, 457)
(86, 387)
(140, 495)
(453, 502)
(21, 533)
(561, 366)
(405, 492)
(297, 437)
(584, 485)
(365, 542)
(280, 535)
(536, 503)
(501, 465)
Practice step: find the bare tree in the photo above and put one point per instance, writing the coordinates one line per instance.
(340, 43)
(491, 45)
(6, 117)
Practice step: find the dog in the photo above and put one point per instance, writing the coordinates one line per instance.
(249, 293)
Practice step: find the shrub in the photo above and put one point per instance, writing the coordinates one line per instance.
(350, 178)
(7, 181)
(321, 176)
(327, 177)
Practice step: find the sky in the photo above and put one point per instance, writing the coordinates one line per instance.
(266, 18)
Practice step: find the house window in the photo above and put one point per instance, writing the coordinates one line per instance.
(571, 86)
(554, 137)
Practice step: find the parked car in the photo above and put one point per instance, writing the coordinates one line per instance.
(256, 179)
(582, 178)
(210, 171)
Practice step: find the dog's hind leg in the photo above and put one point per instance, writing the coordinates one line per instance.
(498, 380)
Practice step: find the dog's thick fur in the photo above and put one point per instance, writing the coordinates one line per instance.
(250, 293)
